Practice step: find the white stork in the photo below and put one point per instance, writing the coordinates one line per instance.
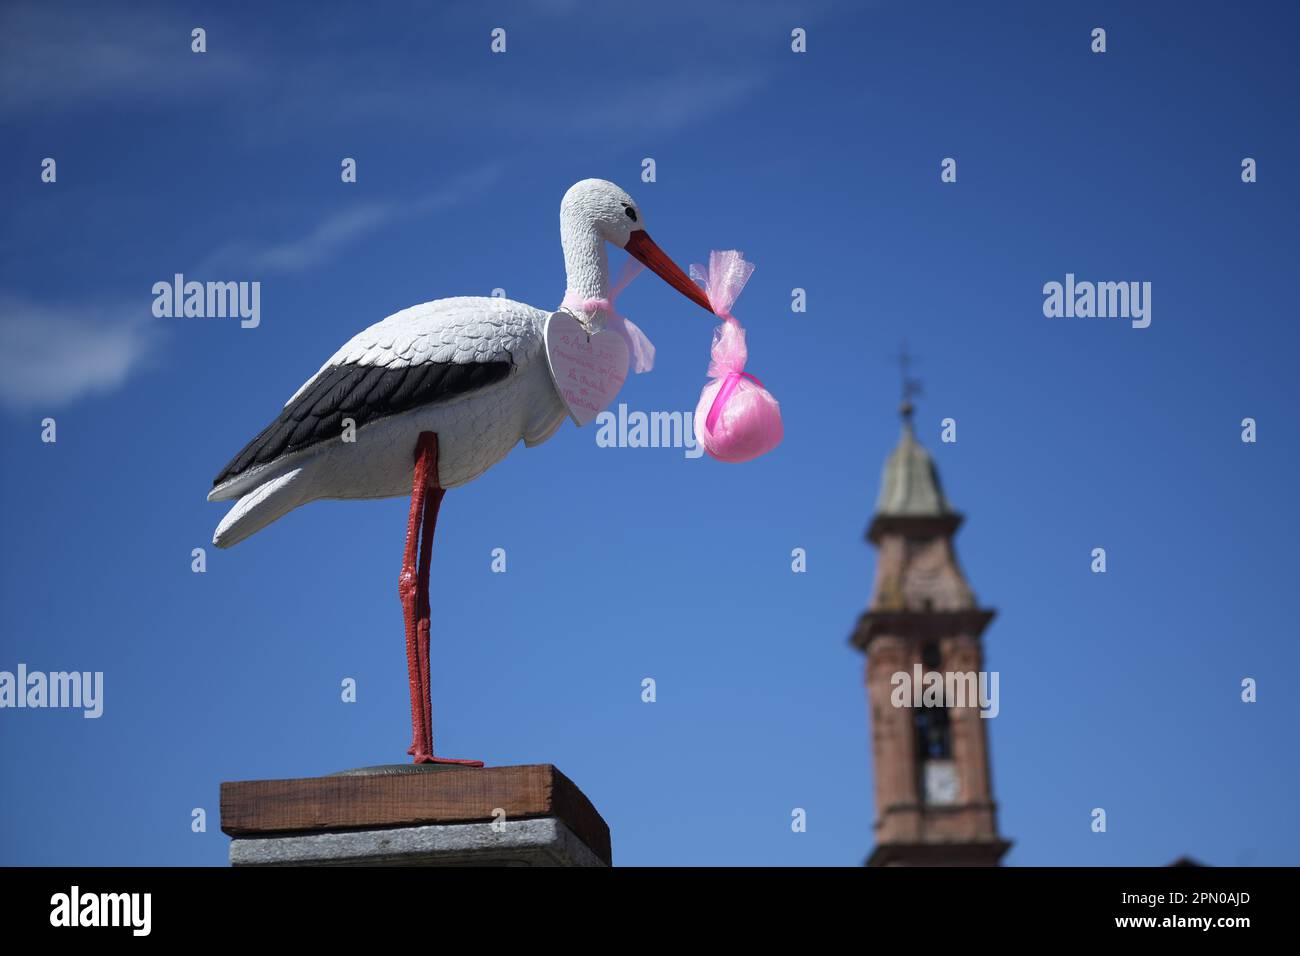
(438, 393)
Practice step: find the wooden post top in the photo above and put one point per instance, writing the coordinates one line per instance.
(447, 795)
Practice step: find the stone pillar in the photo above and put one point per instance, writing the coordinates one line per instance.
(415, 815)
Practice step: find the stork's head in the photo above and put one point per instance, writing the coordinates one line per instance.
(597, 207)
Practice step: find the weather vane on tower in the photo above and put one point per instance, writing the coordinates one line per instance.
(911, 386)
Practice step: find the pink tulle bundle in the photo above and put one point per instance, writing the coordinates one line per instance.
(737, 418)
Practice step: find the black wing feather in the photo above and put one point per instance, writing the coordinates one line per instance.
(364, 393)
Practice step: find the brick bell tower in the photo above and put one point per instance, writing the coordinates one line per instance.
(934, 796)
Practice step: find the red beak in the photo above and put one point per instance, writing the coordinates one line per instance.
(642, 247)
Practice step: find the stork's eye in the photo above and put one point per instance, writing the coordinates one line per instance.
(631, 213)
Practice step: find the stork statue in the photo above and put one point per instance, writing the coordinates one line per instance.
(436, 394)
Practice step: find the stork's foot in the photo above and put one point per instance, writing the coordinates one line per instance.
(430, 758)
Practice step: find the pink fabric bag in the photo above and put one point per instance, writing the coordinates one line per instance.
(737, 419)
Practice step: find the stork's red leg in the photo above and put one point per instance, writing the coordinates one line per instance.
(408, 591)
(430, 522)
(426, 471)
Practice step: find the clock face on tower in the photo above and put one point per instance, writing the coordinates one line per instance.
(941, 784)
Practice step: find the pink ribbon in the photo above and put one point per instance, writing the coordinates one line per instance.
(641, 350)
(728, 386)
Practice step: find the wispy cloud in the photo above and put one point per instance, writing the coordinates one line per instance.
(69, 56)
(330, 235)
(58, 55)
(53, 355)
(672, 102)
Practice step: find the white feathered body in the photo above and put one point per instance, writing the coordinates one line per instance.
(475, 430)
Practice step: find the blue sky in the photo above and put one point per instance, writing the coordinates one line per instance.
(1118, 690)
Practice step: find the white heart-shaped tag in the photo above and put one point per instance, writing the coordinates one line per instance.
(588, 370)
